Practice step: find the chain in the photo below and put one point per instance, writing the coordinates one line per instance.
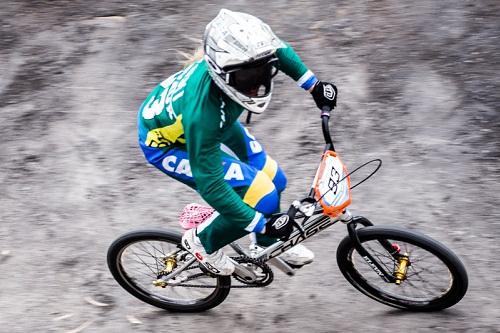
(267, 273)
(268, 278)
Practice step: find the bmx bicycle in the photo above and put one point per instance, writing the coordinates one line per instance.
(395, 266)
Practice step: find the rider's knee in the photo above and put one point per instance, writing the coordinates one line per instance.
(262, 194)
(280, 180)
(275, 173)
(269, 204)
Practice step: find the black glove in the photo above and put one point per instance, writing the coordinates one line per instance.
(279, 226)
(325, 95)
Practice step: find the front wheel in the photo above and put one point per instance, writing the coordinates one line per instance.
(140, 259)
(433, 278)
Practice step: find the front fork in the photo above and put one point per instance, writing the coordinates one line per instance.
(399, 273)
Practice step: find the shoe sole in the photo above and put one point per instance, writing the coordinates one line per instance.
(297, 266)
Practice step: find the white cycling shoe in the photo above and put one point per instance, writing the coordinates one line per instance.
(299, 255)
(217, 262)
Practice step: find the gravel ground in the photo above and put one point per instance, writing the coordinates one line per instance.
(419, 87)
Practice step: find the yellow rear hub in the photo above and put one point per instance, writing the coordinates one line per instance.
(170, 264)
(159, 283)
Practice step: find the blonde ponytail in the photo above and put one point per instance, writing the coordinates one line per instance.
(191, 58)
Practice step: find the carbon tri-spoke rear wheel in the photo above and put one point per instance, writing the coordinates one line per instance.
(139, 259)
(434, 278)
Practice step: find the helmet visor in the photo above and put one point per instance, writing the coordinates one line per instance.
(254, 80)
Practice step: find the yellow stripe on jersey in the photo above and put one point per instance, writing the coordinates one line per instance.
(270, 168)
(260, 187)
(165, 136)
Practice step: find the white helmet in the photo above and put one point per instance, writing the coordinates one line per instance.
(240, 53)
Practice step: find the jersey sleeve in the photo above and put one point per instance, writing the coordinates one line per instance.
(291, 64)
(203, 138)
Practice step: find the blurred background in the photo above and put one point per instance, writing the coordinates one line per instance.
(418, 86)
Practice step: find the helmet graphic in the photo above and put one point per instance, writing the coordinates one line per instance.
(240, 53)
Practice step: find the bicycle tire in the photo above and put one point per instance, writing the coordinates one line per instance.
(456, 269)
(115, 251)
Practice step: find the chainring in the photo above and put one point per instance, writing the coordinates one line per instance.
(260, 268)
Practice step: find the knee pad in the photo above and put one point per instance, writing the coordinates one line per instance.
(275, 173)
(269, 203)
(280, 180)
(262, 194)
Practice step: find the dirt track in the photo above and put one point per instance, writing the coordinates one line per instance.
(419, 88)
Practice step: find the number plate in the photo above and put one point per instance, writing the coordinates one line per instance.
(331, 186)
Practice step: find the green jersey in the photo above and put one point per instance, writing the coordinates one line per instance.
(190, 112)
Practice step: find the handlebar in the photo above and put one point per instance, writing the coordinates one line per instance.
(294, 208)
(325, 117)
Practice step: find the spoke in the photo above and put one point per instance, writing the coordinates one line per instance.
(425, 269)
(143, 255)
(143, 273)
(145, 264)
(416, 288)
(146, 251)
(432, 292)
(424, 277)
(385, 255)
(378, 257)
(422, 270)
(174, 291)
(427, 286)
(406, 247)
(156, 261)
(149, 253)
(163, 250)
(419, 254)
(139, 262)
(426, 282)
(157, 249)
(405, 290)
(424, 257)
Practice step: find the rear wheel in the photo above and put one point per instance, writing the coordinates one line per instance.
(139, 259)
(434, 277)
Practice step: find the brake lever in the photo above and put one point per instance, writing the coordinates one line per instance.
(291, 214)
(301, 229)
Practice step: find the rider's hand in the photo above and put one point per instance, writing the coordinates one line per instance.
(325, 95)
(278, 226)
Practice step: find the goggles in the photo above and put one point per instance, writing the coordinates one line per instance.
(253, 79)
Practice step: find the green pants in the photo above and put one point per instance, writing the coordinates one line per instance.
(259, 182)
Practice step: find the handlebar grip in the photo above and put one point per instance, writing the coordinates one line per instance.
(325, 111)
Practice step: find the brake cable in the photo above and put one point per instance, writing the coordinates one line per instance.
(352, 172)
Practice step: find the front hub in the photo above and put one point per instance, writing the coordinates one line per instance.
(401, 268)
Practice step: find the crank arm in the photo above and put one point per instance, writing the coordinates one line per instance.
(281, 265)
(243, 272)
